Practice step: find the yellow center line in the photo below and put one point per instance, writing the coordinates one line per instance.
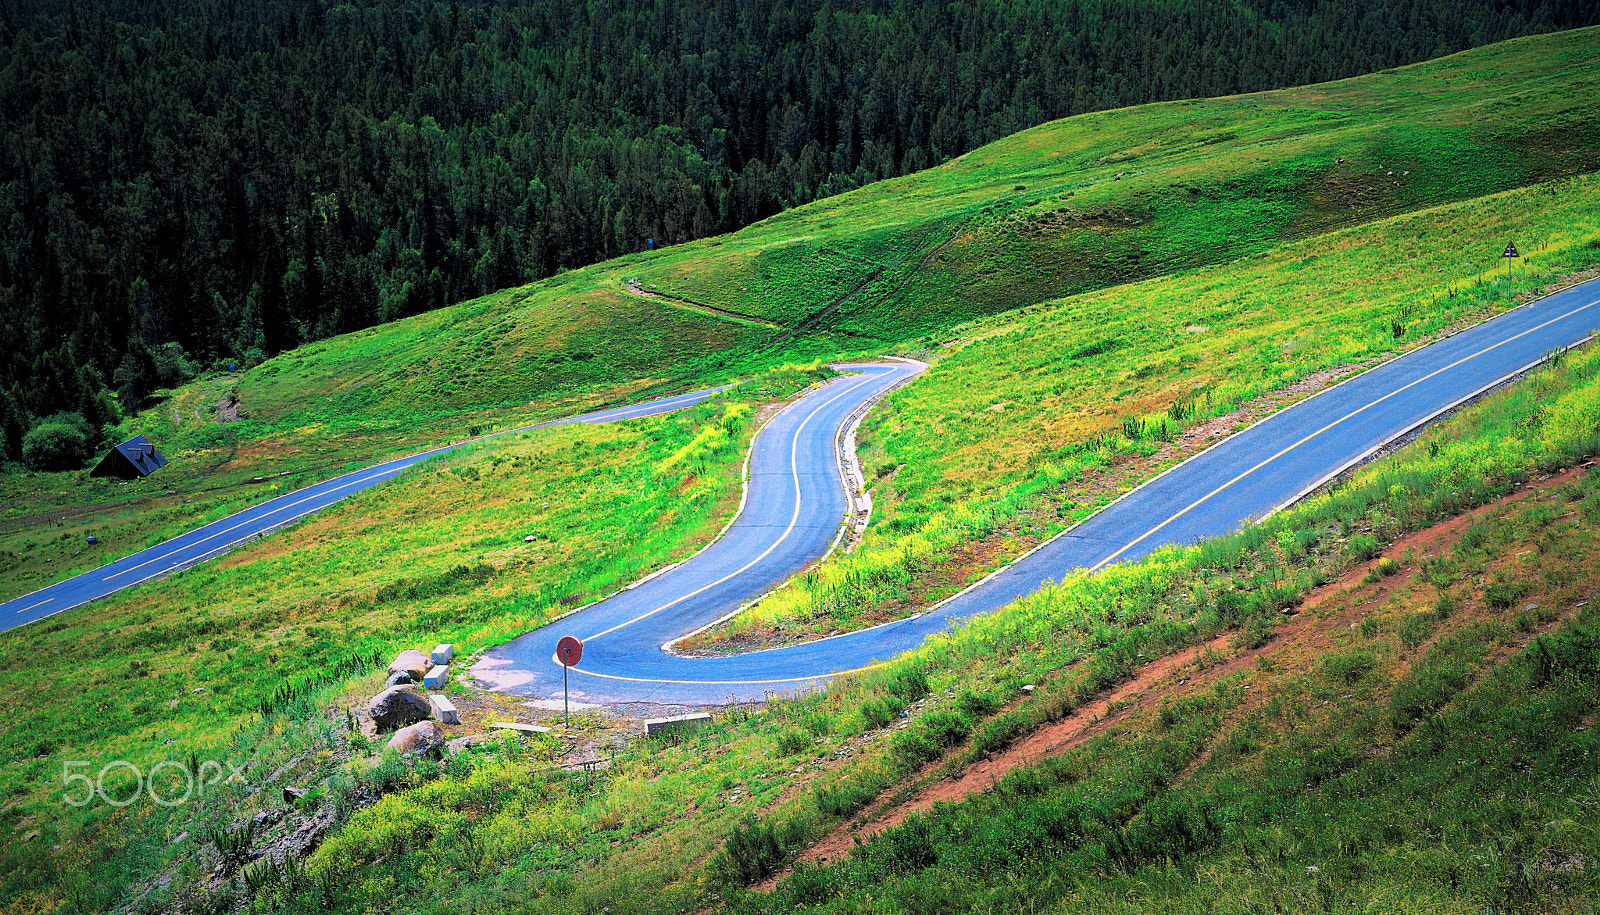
(246, 523)
(39, 604)
(794, 518)
(1196, 503)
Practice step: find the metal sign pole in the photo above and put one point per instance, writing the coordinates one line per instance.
(569, 651)
(1510, 252)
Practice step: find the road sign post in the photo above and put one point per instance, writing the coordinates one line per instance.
(1510, 252)
(569, 651)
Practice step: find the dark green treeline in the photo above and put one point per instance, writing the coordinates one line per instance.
(183, 181)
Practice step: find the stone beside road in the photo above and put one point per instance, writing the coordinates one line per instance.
(419, 739)
(397, 707)
(412, 662)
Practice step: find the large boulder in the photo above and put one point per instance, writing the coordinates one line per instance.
(420, 739)
(412, 662)
(399, 678)
(397, 707)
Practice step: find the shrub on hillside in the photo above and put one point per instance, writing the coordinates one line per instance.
(754, 851)
(75, 420)
(172, 365)
(54, 446)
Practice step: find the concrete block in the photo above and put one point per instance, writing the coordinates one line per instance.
(444, 654)
(444, 708)
(437, 678)
(654, 726)
(524, 728)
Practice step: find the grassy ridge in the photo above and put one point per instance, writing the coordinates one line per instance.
(1112, 197)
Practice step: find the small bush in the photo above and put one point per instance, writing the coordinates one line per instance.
(1364, 547)
(793, 741)
(54, 446)
(233, 843)
(907, 683)
(1416, 628)
(915, 747)
(753, 852)
(1503, 593)
(1350, 668)
(876, 713)
(999, 733)
(843, 800)
(978, 704)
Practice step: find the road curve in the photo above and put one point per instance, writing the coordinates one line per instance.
(793, 511)
(1247, 476)
(222, 535)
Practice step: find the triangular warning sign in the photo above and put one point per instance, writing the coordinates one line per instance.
(1511, 251)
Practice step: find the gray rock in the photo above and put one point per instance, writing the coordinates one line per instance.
(412, 662)
(420, 738)
(397, 707)
(266, 818)
(291, 794)
(306, 839)
(399, 678)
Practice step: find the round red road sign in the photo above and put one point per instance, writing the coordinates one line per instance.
(570, 650)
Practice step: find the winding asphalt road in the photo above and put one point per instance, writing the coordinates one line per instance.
(795, 498)
(220, 536)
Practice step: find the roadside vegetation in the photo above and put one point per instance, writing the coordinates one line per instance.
(470, 548)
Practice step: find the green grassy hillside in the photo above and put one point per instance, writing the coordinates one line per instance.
(1417, 738)
(1107, 198)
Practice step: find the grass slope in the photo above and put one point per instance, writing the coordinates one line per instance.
(442, 554)
(1012, 433)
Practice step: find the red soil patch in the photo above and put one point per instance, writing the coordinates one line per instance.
(1296, 645)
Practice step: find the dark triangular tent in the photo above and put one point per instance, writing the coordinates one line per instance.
(133, 458)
